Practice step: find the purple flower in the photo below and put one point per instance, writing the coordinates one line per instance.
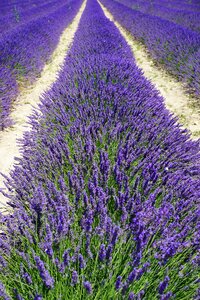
(163, 285)
(74, 277)
(109, 252)
(140, 295)
(3, 292)
(124, 288)
(118, 283)
(17, 295)
(102, 252)
(28, 278)
(59, 265)
(44, 274)
(139, 273)
(81, 261)
(115, 235)
(3, 262)
(131, 276)
(38, 297)
(131, 296)
(87, 285)
(66, 257)
(166, 296)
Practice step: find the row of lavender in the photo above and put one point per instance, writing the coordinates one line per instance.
(191, 5)
(106, 196)
(173, 4)
(17, 17)
(176, 47)
(7, 6)
(188, 19)
(25, 50)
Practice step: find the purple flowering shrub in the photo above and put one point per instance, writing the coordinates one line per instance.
(25, 50)
(106, 197)
(8, 92)
(169, 44)
(7, 6)
(191, 5)
(18, 16)
(183, 5)
(192, 67)
(188, 19)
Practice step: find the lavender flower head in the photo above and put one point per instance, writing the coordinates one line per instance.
(81, 261)
(131, 296)
(66, 257)
(163, 285)
(102, 252)
(38, 297)
(74, 277)
(28, 278)
(44, 274)
(87, 285)
(3, 292)
(17, 295)
(166, 296)
(118, 283)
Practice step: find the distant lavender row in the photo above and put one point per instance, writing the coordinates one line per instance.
(25, 50)
(106, 196)
(7, 6)
(175, 5)
(177, 48)
(17, 18)
(188, 19)
(182, 5)
(8, 92)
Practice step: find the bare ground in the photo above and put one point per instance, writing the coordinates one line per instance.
(176, 99)
(29, 97)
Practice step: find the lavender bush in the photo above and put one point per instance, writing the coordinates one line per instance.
(18, 16)
(184, 5)
(170, 44)
(106, 197)
(188, 19)
(8, 92)
(189, 5)
(7, 6)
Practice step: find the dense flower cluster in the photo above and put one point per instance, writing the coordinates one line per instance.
(188, 17)
(170, 44)
(26, 48)
(106, 197)
(8, 93)
(20, 15)
(7, 6)
(181, 4)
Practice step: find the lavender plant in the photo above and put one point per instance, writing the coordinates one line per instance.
(20, 17)
(105, 200)
(8, 92)
(186, 18)
(171, 45)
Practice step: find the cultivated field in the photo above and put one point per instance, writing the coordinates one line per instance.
(100, 149)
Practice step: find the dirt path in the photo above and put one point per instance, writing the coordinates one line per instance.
(176, 100)
(30, 97)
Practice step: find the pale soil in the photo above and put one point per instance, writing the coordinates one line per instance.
(176, 99)
(29, 97)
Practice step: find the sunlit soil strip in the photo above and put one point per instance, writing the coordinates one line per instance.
(176, 100)
(29, 97)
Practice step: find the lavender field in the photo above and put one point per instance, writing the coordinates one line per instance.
(104, 201)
